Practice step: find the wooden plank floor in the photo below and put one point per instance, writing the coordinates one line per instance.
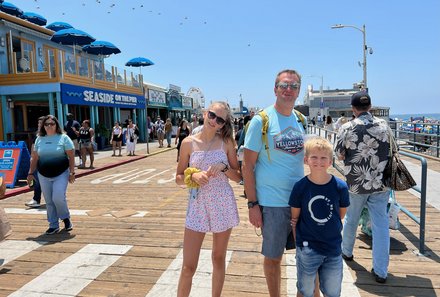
(157, 236)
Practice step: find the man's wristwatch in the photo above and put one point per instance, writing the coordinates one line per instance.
(72, 173)
(251, 204)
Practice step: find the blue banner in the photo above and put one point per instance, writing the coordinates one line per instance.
(79, 95)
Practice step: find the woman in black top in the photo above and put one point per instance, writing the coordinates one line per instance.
(86, 138)
(182, 132)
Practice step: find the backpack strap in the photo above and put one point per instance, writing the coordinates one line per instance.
(301, 119)
(264, 129)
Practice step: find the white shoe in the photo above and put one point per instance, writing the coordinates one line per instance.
(33, 204)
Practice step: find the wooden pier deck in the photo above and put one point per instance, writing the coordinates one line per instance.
(133, 215)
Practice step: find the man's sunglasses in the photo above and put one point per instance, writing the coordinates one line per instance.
(218, 120)
(285, 86)
(49, 124)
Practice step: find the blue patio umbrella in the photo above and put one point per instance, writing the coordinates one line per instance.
(57, 26)
(72, 37)
(101, 48)
(34, 18)
(139, 62)
(10, 8)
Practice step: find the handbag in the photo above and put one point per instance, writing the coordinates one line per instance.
(396, 176)
(5, 226)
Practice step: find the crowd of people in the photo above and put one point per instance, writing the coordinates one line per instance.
(316, 214)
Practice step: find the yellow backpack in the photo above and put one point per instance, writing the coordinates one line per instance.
(265, 127)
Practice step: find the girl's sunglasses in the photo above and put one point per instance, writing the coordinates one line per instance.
(218, 120)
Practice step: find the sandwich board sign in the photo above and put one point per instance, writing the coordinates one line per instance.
(14, 162)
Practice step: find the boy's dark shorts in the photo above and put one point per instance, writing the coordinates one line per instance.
(277, 231)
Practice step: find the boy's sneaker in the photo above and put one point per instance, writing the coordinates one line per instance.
(51, 231)
(68, 226)
(33, 204)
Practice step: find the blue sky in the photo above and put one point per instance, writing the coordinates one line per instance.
(233, 47)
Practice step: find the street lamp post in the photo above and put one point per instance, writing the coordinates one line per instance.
(339, 26)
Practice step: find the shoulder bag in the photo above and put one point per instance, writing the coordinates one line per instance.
(396, 175)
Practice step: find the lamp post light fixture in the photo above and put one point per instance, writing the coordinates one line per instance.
(364, 48)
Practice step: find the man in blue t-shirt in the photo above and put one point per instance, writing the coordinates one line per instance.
(268, 182)
(319, 202)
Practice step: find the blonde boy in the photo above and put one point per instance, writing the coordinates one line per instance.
(319, 203)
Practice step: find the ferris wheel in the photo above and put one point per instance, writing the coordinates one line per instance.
(198, 97)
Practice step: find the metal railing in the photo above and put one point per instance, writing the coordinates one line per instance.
(418, 137)
(421, 221)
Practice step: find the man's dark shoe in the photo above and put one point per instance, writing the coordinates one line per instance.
(52, 231)
(68, 226)
(347, 258)
(380, 280)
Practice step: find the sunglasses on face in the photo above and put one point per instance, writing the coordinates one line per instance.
(49, 124)
(285, 86)
(218, 120)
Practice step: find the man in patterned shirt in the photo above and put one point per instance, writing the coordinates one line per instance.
(363, 145)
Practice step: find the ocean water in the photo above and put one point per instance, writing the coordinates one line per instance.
(435, 116)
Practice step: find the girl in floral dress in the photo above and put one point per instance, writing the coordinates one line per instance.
(211, 207)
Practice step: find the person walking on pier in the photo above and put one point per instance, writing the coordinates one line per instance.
(54, 157)
(36, 199)
(341, 121)
(159, 127)
(168, 131)
(131, 136)
(116, 139)
(363, 145)
(207, 161)
(182, 132)
(72, 127)
(268, 181)
(86, 140)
